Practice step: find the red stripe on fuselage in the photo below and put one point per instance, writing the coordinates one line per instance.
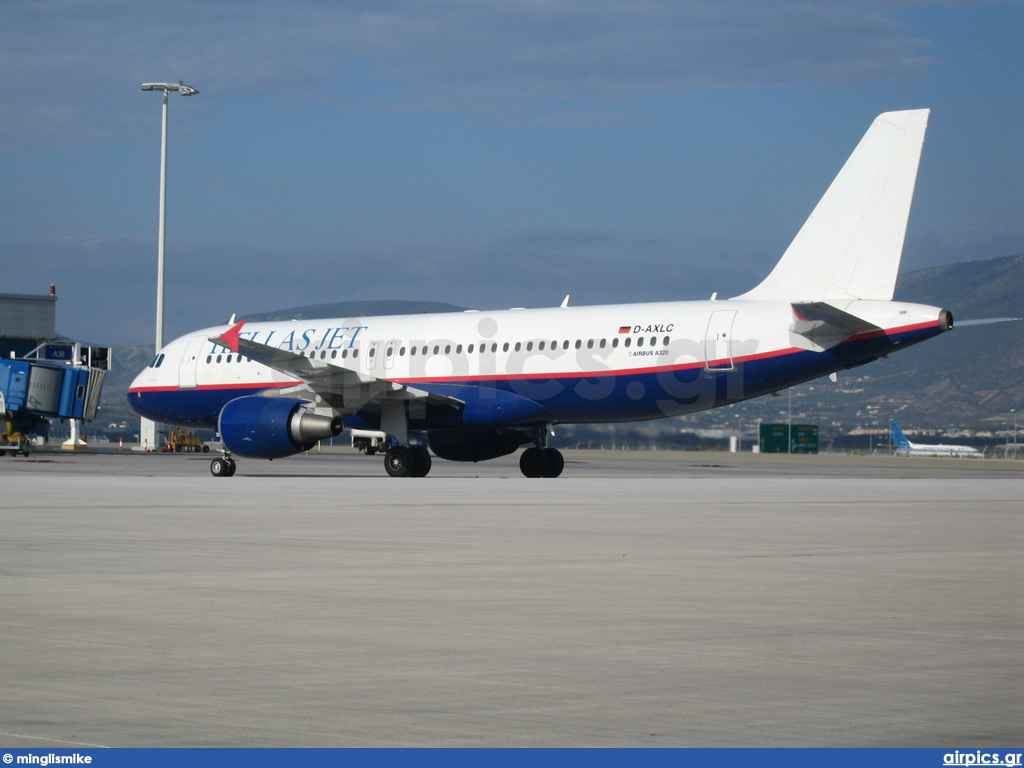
(564, 374)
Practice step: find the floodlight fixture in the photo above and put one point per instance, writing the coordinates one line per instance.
(184, 90)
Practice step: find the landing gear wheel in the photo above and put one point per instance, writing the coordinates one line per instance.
(421, 461)
(399, 461)
(541, 462)
(223, 467)
(553, 463)
(532, 462)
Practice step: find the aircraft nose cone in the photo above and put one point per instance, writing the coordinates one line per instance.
(143, 383)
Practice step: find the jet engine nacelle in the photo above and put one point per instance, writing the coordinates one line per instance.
(271, 428)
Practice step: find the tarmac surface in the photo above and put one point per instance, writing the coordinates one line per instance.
(658, 600)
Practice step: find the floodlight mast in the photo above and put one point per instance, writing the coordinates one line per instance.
(166, 88)
(147, 435)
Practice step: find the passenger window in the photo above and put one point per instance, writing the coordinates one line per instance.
(603, 343)
(401, 352)
(412, 350)
(209, 359)
(540, 347)
(373, 351)
(579, 344)
(447, 349)
(615, 343)
(529, 346)
(334, 354)
(654, 341)
(355, 352)
(640, 341)
(469, 350)
(494, 347)
(518, 346)
(504, 347)
(628, 341)
(565, 344)
(458, 349)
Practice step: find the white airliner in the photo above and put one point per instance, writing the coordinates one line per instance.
(476, 385)
(906, 448)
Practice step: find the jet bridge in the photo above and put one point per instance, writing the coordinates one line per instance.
(31, 392)
(43, 376)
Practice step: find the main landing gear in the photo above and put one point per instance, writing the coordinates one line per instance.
(223, 466)
(407, 461)
(541, 462)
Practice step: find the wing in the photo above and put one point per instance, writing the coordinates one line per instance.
(341, 388)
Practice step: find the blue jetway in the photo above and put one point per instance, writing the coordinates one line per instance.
(31, 392)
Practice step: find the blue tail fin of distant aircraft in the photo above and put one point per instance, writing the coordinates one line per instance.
(898, 438)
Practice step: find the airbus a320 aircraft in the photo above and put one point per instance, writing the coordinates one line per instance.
(476, 385)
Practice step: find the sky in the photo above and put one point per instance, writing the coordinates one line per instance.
(486, 153)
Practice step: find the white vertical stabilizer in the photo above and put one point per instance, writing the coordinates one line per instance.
(851, 245)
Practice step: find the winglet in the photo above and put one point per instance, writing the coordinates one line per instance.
(229, 338)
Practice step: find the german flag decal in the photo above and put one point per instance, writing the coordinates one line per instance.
(624, 328)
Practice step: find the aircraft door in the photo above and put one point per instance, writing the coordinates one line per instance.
(373, 349)
(390, 349)
(718, 341)
(189, 362)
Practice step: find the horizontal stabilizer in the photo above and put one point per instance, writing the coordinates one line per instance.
(818, 326)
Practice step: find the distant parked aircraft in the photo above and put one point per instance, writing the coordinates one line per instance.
(906, 448)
